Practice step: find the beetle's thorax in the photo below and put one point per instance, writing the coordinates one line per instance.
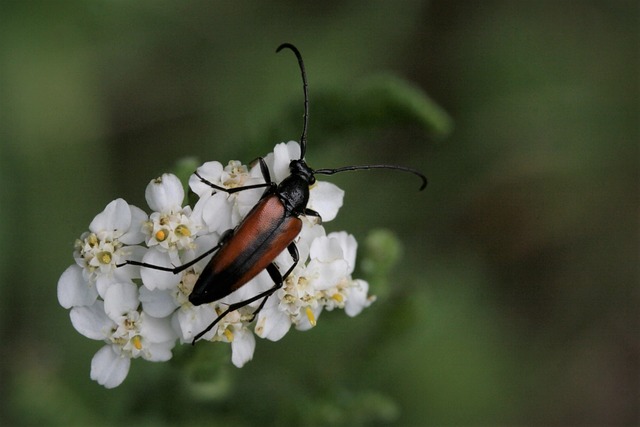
(294, 189)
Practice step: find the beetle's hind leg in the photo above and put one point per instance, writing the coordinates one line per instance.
(273, 271)
(278, 279)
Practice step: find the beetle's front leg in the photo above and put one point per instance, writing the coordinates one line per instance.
(311, 212)
(265, 174)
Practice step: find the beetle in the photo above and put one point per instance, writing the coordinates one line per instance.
(269, 228)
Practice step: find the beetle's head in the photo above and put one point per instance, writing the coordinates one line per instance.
(301, 169)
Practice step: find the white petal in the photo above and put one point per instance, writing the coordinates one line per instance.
(327, 274)
(116, 216)
(119, 299)
(134, 234)
(159, 352)
(242, 347)
(283, 153)
(191, 321)
(91, 321)
(128, 272)
(357, 298)
(156, 330)
(158, 279)
(326, 199)
(211, 171)
(304, 324)
(109, 368)
(103, 282)
(157, 303)
(293, 149)
(272, 323)
(309, 233)
(74, 290)
(203, 244)
(349, 247)
(165, 194)
(246, 200)
(325, 249)
(215, 212)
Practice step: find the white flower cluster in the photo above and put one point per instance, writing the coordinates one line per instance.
(142, 312)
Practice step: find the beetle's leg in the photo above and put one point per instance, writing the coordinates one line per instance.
(175, 270)
(265, 170)
(278, 279)
(265, 174)
(293, 251)
(275, 275)
(311, 212)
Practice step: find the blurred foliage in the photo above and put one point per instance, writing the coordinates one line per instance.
(515, 300)
(370, 106)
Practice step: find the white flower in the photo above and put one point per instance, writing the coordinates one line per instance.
(127, 332)
(352, 295)
(169, 228)
(296, 303)
(233, 329)
(323, 281)
(107, 243)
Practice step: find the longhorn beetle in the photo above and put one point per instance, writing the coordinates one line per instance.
(268, 229)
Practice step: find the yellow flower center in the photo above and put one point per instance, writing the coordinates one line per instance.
(183, 230)
(104, 257)
(92, 240)
(161, 235)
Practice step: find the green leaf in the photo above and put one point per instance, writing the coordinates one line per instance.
(379, 102)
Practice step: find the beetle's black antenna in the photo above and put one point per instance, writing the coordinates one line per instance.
(303, 137)
(364, 167)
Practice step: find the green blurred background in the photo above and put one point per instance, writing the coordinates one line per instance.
(516, 299)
